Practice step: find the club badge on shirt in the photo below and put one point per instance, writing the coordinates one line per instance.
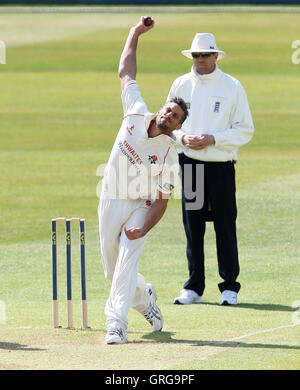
(130, 129)
(217, 106)
(153, 159)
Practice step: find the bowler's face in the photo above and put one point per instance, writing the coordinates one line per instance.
(169, 118)
(205, 65)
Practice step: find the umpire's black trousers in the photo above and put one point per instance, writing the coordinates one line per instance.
(219, 196)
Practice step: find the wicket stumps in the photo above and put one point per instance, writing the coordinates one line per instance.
(69, 270)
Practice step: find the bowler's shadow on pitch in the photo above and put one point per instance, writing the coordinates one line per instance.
(17, 347)
(168, 338)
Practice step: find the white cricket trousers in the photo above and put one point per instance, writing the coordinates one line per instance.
(120, 258)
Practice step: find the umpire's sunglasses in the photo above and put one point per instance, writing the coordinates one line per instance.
(204, 55)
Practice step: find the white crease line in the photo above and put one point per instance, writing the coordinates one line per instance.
(260, 332)
(248, 335)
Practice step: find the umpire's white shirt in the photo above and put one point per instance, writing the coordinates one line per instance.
(138, 165)
(218, 106)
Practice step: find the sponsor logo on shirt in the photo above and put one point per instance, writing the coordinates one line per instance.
(168, 187)
(130, 153)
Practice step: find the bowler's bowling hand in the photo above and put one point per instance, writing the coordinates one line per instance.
(198, 143)
(145, 24)
(133, 233)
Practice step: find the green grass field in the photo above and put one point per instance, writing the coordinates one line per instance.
(60, 111)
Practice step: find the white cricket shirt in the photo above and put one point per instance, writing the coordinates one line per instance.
(138, 166)
(218, 105)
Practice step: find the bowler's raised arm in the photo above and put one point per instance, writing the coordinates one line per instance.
(127, 65)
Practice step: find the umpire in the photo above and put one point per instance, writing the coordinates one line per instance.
(219, 123)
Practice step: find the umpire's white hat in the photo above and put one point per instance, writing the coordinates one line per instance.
(204, 42)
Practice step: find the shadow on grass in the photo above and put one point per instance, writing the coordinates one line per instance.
(167, 337)
(17, 347)
(257, 306)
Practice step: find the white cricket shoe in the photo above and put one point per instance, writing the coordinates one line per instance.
(115, 336)
(152, 313)
(187, 297)
(228, 297)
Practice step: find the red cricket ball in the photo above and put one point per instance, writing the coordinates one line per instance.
(148, 22)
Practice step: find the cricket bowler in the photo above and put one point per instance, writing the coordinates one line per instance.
(138, 180)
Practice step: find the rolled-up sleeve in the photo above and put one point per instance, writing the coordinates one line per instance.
(130, 96)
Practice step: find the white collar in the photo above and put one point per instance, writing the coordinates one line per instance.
(148, 118)
(210, 76)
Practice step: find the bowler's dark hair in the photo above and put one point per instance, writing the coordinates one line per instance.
(182, 104)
